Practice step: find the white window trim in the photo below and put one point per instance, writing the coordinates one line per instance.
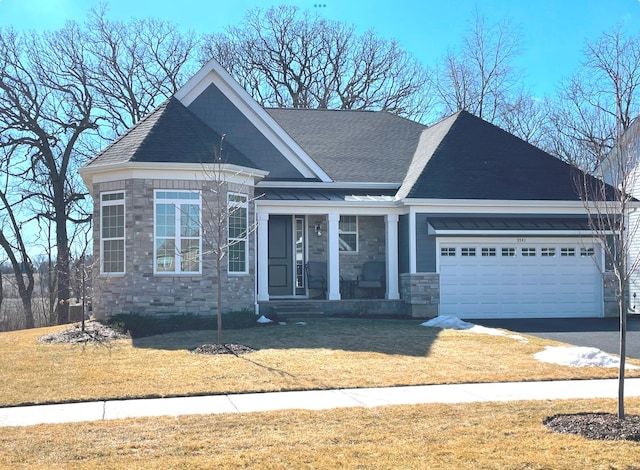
(116, 202)
(356, 233)
(177, 237)
(244, 239)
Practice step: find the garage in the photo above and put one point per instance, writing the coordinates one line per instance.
(510, 277)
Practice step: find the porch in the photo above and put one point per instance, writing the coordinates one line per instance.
(344, 245)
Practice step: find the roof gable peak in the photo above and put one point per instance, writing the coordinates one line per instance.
(212, 73)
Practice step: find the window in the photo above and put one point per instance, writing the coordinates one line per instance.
(488, 252)
(348, 233)
(467, 251)
(178, 238)
(508, 252)
(586, 251)
(112, 235)
(547, 251)
(567, 251)
(528, 251)
(447, 251)
(238, 227)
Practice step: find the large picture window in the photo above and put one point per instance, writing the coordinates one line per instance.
(178, 241)
(238, 224)
(348, 233)
(112, 233)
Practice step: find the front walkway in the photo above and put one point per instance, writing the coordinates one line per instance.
(315, 400)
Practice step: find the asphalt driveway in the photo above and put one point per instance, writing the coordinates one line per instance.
(601, 333)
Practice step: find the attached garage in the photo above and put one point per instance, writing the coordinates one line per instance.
(525, 277)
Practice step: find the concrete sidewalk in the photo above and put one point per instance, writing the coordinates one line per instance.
(314, 400)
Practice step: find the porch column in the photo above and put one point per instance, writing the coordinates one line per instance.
(391, 238)
(333, 257)
(412, 242)
(263, 255)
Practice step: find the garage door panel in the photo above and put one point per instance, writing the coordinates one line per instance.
(519, 286)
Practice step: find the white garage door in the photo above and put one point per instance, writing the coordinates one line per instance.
(533, 279)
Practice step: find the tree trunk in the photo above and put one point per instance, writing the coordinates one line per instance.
(219, 297)
(28, 309)
(62, 262)
(623, 352)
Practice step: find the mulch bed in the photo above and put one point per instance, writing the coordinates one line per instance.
(228, 348)
(94, 332)
(603, 426)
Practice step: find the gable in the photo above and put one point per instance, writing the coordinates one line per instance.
(226, 107)
(214, 108)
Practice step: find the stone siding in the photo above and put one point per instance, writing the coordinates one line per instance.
(141, 291)
(421, 292)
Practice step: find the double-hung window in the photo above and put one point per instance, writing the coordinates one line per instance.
(348, 233)
(178, 239)
(112, 233)
(238, 232)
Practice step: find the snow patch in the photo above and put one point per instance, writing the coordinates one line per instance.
(448, 322)
(264, 319)
(578, 356)
(454, 323)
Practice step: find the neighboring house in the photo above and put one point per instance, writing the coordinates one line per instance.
(467, 219)
(621, 169)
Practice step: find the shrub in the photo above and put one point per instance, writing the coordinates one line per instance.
(147, 325)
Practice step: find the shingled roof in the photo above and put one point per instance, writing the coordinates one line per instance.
(170, 133)
(461, 157)
(354, 146)
(465, 157)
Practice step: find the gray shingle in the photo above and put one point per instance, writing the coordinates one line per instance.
(474, 159)
(170, 133)
(358, 146)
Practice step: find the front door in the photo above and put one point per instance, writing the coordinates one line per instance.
(286, 255)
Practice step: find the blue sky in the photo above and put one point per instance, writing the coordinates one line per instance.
(553, 31)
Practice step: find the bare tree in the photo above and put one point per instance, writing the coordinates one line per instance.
(13, 244)
(226, 225)
(288, 58)
(599, 102)
(614, 221)
(594, 129)
(527, 118)
(479, 77)
(135, 65)
(45, 109)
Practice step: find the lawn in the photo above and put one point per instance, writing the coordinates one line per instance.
(321, 354)
(474, 436)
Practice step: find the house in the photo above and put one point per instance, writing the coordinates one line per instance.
(465, 218)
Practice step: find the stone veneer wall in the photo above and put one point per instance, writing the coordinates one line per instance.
(371, 244)
(421, 292)
(139, 290)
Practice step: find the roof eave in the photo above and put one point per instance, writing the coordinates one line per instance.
(327, 185)
(163, 170)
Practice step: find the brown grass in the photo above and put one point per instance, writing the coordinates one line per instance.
(327, 353)
(474, 436)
